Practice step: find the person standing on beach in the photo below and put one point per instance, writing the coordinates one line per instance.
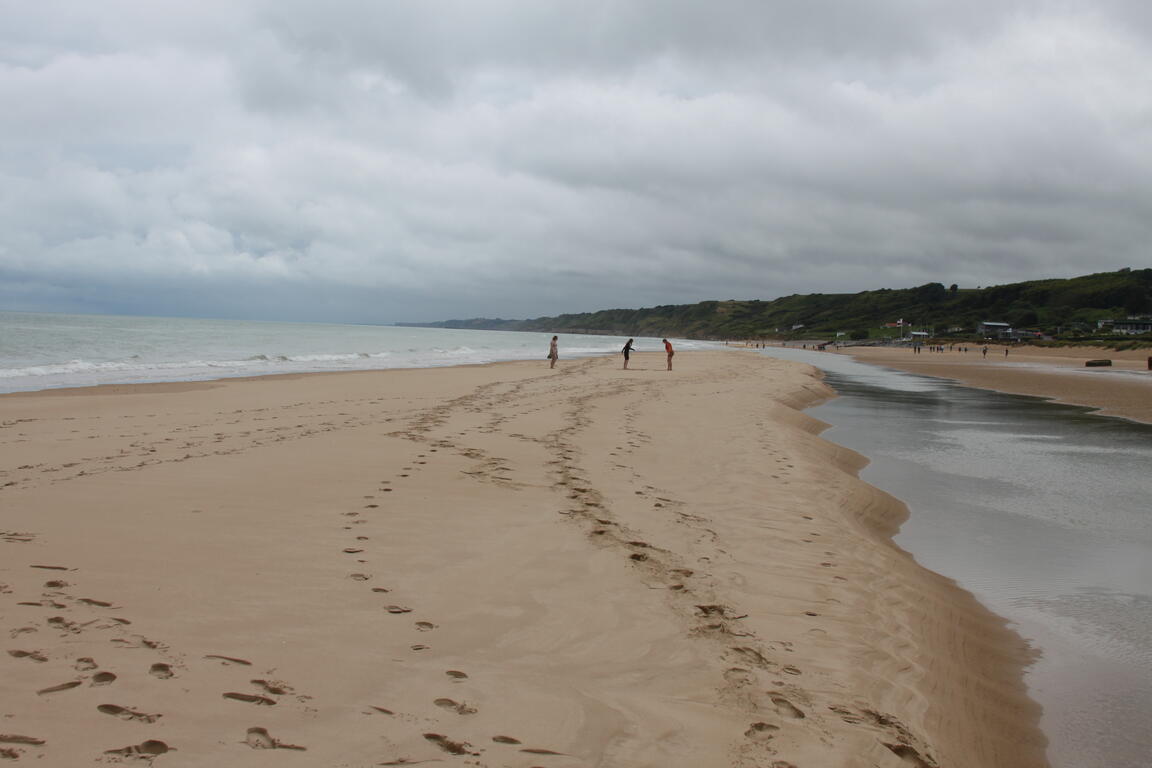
(668, 349)
(626, 352)
(553, 352)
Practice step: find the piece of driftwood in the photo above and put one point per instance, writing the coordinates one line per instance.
(1097, 363)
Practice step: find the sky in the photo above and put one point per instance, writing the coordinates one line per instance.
(417, 160)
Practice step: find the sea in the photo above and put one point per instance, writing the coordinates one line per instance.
(52, 351)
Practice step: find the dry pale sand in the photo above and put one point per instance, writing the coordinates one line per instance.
(1124, 389)
(490, 566)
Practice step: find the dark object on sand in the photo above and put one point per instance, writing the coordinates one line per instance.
(1097, 363)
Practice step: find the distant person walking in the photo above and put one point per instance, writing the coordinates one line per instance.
(627, 351)
(670, 351)
(553, 352)
(984, 351)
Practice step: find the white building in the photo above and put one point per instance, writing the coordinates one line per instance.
(1133, 325)
(995, 329)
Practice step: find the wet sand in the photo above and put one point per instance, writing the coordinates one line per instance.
(495, 565)
(1124, 389)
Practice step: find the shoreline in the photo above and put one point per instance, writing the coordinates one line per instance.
(1059, 374)
(496, 563)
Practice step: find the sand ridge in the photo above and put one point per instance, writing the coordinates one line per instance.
(493, 566)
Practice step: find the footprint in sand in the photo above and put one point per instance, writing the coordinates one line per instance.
(847, 715)
(449, 746)
(456, 675)
(229, 660)
(459, 708)
(910, 755)
(33, 655)
(761, 731)
(275, 688)
(505, 740)
(259, 738)
(137, 641)
(425, 626)
(59, 622)
(161, 670)
(381, 710)
(397, 609)
(786, 708)
(57, 688)
(103, 678)
(754, 657)
(250, 698)
(147, 749)
(127, 714)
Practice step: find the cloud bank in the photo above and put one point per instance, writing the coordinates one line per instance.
(368, 162)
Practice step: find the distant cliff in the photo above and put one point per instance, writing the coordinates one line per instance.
(1065, 308)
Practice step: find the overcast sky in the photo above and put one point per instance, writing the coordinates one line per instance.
(372, 160)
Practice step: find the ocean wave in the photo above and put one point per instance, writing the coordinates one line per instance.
(199, 353)
(87, 367)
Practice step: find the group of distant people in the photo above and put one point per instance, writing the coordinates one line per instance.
(918, 348)
(554, 352)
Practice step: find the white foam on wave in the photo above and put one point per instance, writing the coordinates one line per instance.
(119, 350)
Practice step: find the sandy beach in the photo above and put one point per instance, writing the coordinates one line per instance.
(498, 565)
(1122, 389)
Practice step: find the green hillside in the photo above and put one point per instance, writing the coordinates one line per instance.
(1060, 308)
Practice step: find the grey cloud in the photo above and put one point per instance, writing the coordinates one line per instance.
(420, 160)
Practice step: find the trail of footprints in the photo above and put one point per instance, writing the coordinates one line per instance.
(134, 448)
(743, 683)
(87, 671)
(690, 591)
(486, 468)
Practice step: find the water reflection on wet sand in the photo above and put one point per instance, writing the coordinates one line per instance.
(1044, 511)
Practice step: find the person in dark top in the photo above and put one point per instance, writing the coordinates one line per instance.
(626, 352)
